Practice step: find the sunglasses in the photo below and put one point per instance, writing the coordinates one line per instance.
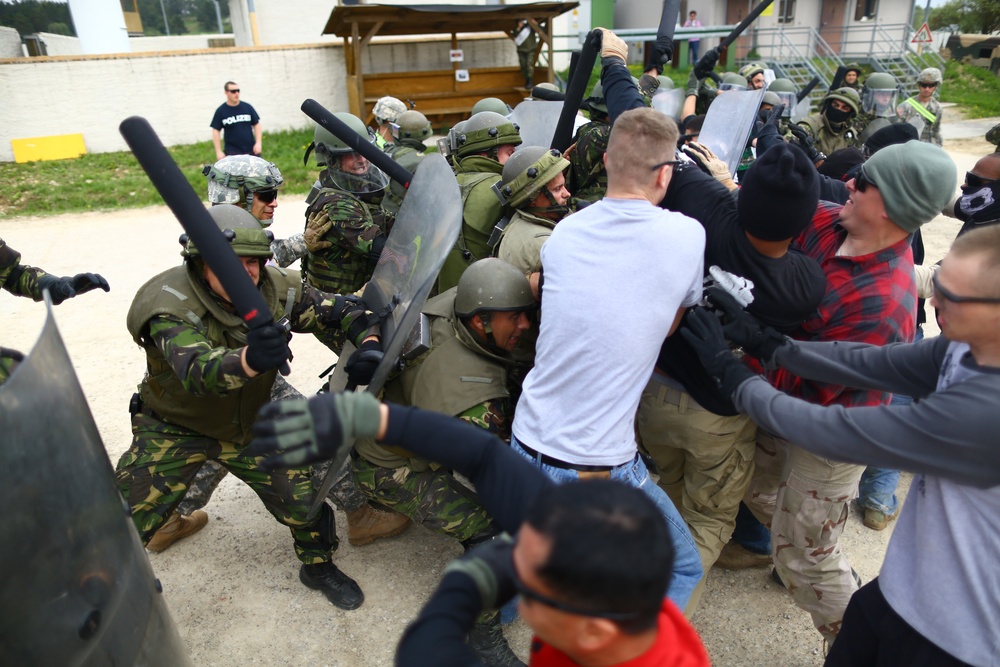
(861, 181)
(928, 85)
(975, 182)
(266, 196)
(234, 90)
(535, 596)
(941, 294)
(668, 163)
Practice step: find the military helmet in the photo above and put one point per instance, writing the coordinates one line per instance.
(484, 132)
(492, 284)
(771, 98)
(878, 96)
(930, 75)
(783, 86)
(750, 70)
(412, 125)
(234, 179)
(328, 145)
(243, 231)
(733, 81)
(666, 83)
(787, 92)
(387, 110)
(852, 67)
(596, 100)
(529, 170)
(845, 94)
(880, 81)
(494, 104)
(547, 85)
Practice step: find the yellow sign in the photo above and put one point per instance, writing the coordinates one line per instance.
(56, 147)
(769, 11)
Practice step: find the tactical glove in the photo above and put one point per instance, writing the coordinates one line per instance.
(710, 163)
(267, 348)
(362, 363)
(648, 85)
(612, 46)
(706, 64)
(491, 567)
(61, 289)
(807, 143)
(744, 329)
(693, 84)
(298, 432)
(703, 331)
(317, 225)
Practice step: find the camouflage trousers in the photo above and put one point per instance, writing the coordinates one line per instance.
(155, 472)
(9, 359)
(805, 500)
(342, 493)
(705, 462)
(433, 498)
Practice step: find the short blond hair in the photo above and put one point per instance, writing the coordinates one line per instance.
(640, 138)
(982, 243)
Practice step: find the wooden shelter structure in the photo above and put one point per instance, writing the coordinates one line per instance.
(438, 94)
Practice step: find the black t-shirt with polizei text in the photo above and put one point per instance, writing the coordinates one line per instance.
(236, 124)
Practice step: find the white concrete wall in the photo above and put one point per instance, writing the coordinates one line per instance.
(172, 42)
(60, 45)
(10, 43)
(100, 25)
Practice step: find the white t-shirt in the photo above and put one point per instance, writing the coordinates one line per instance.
(616, 274)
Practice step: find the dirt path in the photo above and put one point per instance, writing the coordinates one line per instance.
(233, 589)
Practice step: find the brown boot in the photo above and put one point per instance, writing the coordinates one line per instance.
(735, 556)
(177, 527)
(367, 524)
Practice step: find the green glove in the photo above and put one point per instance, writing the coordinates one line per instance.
(691, 89)
(491, 567)
(294, 433)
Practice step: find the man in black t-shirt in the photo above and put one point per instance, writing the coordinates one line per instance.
(240, 123)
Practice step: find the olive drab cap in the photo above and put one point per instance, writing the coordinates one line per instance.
(494, 104)
(528, 171)
(242, 230)
(388, 110)
(484, 132)
(234, 179)
(492, 284)
(412, 125)
(328, 145)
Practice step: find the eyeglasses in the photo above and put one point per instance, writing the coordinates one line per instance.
(266, 196)
(668, 163)
(234, 90)
(861, 181)
(941, 294)
(975, 181)
(535, 596)
(928, 85)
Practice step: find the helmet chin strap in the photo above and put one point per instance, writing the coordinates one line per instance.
(554, 210)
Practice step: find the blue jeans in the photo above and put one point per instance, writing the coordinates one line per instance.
(687, 563)
(693, 51)
(750, 533)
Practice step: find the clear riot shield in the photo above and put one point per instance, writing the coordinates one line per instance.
(669, 102)
(918, 122)
(802, 110)
(424, 232)
(873, 127)
(537, 120)
(728, 124)
(78, 588)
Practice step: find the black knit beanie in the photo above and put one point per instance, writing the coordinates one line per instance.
(779, 194)
(839, 163)
(897, 133)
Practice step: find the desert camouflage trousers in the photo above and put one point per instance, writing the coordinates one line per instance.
(342, 493)
(433, 498)
(154, 474)
(805, 500)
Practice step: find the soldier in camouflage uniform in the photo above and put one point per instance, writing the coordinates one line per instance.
(409, 133)
(851, 75)
(207, 376)
(482, 147)
(587, 177)
(832, 128)
(23, 280)
(787, 94)
(474, 327)
(387, 111)
(925, 106)
(346, 226)
(526, 42)
(878, 105)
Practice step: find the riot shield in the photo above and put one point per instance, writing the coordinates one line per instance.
(78, 587)
(873, 127)
(424, 232)
(802, 110)
(728, 124)
(917, 122)
(537, 120)
(669, 102)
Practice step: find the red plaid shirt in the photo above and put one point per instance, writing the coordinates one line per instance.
(869, 298)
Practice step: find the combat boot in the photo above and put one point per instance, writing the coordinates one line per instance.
(491, 647)
(367, 524)
(177, 527)
(338, 588)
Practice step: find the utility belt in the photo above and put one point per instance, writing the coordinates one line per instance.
(583, 471)
(137, 406)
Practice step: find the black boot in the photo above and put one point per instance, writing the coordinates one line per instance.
(487, 640)
(338, 588)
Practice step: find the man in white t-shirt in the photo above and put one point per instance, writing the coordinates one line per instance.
(617, 276)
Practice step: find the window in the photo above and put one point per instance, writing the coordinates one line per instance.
(866, 9)
(786, 11)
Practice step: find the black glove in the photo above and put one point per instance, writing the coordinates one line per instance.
(61, 289)
(362, 363)
(297, 432)
(491, 566)
(706, 64)
(806, 143)
(267, 348)
(744, 329)
(703, 331)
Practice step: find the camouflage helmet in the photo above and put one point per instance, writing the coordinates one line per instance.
(243, 231)
(484, 132)
(492, 284)
(930, 75)
(596, 100)
(528, 171)
(412, 125)
(750, 70)
(845, 94)
(328, 145)
(494, 104)
(387, 110)
(234, 179)
(733, 81)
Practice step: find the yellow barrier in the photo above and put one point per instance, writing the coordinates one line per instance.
(56, 147)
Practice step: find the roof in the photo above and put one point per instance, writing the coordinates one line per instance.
(438, 19)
